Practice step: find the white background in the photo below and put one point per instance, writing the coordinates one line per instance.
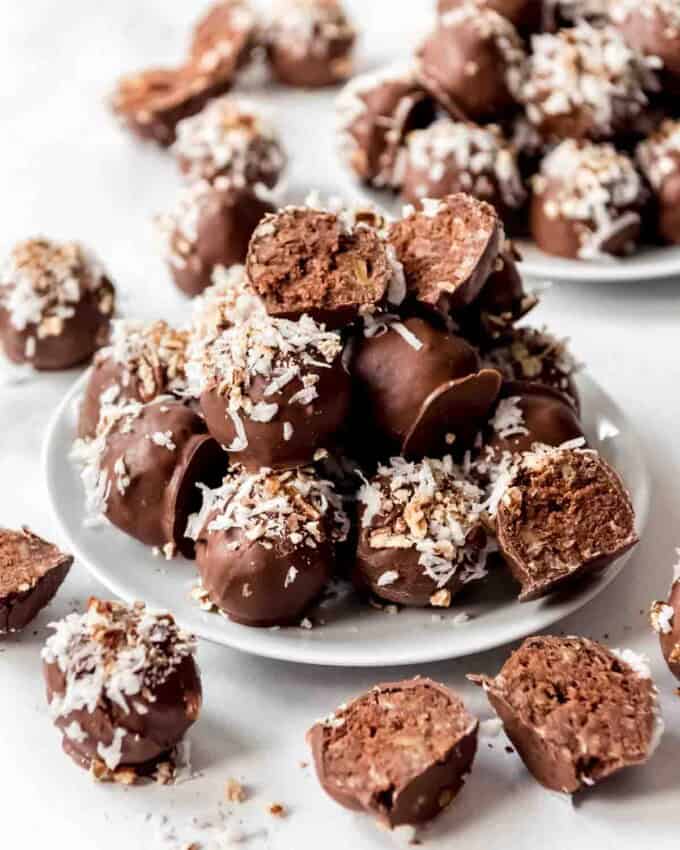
(67, 171)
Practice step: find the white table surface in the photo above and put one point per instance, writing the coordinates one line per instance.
(66, 171)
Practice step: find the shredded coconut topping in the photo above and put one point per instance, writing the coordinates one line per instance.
(668, 10)
(508, 419)
(659, 155)
(304, 26)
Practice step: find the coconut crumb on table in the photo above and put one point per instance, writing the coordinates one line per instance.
(234, 792)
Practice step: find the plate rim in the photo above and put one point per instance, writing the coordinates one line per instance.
(312, 653)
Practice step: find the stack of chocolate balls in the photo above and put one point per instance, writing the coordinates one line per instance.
(357, 400)
(560, 113)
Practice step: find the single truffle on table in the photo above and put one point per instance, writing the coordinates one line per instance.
(400, 752)
(473, 63)
(56, 304)
(265, 543)
(376, 111)
(230, 138)
(653, 28)
(274, 391)
(659, 159)
(525, 15)
(310, 43)
(665, 619)
(447, 250)
(410, 368)
(565, 514)
(223, 41)
(455, 156)
(587, 202)
(575, 711)
(211, 226)
(308, 261)
(123, 688)
(142, 361)
(422, 536)
(585, 82)
(31, 572)
(141, 469)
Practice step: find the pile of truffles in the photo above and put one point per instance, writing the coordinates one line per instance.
(561, 113)
(357, 401)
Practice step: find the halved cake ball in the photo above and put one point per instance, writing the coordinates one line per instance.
(653, 28)
(265, 543)
(665, 619)
(575, 711)
(400, 752)
(274, 391)
(422, 537)
(31, 572)
(56, 304)
(658, 156)
(122, 686)
(565, 514)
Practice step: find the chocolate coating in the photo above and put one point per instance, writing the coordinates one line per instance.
(653, 28)
(223, 40)
(31, 572)
(211, 226)
(665, 618)
(303, 260)
(56, 304)
(472, 63)
(400, 752)
(116, 718)
(658, 157)
(575, 711)
(565, 514)
(525, 15)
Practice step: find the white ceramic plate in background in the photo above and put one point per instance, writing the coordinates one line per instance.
(354, 634)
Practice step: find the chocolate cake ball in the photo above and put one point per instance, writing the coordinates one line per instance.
(223, 41)
(587, 202)
(142, 361)
(447, 250)
(653, 28)
(565, 514)
(274, 391)
(376, 111)
(454, 156)
(211, 226)
(310, 43)
(665, 619)
(401, 373)
(473, 63)
(585, 82)
(399, 752)
(230, 138)
(31, 572)
(535, 356)
(265, 543)
(122, 686)
(659, 159)
(227, 301)
(56, 303)
(304, 260)
(141, 470)
(575, 711)
(525, 15)
(422, 537)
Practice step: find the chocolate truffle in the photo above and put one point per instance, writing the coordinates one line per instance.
(585, 83)
(401, 372)
(525, 15)
(447, 250)
(141, 469)
(232, 139)
(265, 543)
(56, 304)
(665, 619)
(659, 159)
(223, 41)
(535, 356)
(142, 361)
(399, 752)
(575, 711)
(587, 202)
(454, 156)
(211, 226)
(565, 514)
(274, 391)
(31, 572)
(653, 28)
(122, 686)
(473, 63)
(303, 260)
(422, 537)
(376, 111)
(310, 43)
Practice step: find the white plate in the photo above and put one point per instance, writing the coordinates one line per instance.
(354, 634)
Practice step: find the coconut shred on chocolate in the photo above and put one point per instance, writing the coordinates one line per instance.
(665, 620)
